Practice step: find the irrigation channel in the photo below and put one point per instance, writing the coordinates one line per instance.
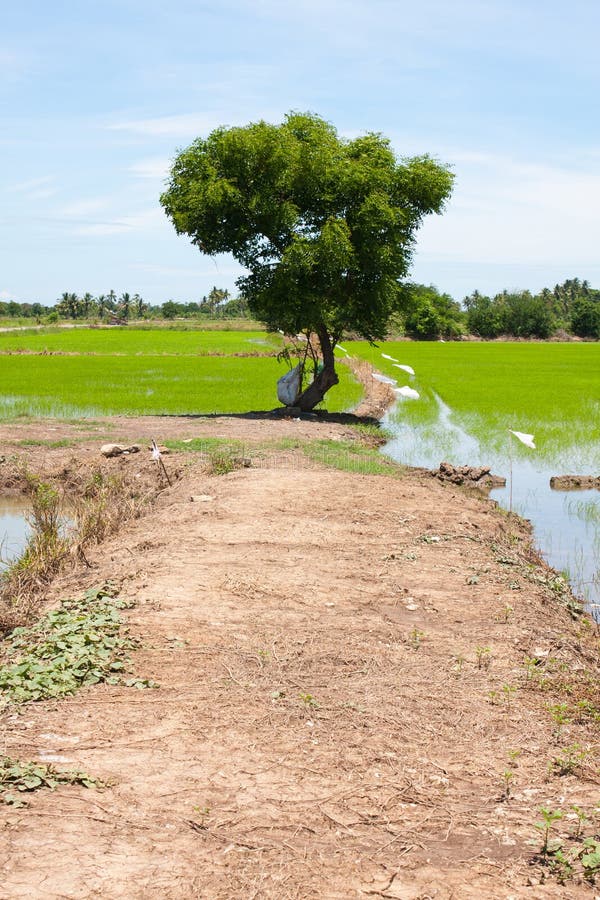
(14, 528)
(566, 524)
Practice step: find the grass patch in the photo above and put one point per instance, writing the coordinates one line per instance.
(42, 558)
(100, 505)
(349, 456)
(80, 643)
(47, 444)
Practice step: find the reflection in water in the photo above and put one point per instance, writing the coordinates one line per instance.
(14, 528)
(566, 524)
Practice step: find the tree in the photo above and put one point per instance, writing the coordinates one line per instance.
(125, 305)
(138, 305)
(585, 318)
(169, 309)
(325, 226)
(432, 315)
(69, 306)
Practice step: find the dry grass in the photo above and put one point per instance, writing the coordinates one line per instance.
(97, 504)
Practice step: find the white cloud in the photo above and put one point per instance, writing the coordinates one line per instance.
(154, 167)
(6, 295)
(147, 220)
(86, 207)
(182, 126)
(510, 211)
(44, 184)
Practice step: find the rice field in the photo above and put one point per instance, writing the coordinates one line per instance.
(549, 390)
(74, 373)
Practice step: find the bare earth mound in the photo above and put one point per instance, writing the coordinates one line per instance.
(348, 668)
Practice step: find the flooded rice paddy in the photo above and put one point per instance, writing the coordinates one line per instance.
(566, 524)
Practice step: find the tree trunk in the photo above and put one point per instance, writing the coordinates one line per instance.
(324, 380)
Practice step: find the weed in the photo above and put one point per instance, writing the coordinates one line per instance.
(508, 690)
(569, 760)
(507, 777)
(222, 462)
(560, 715)
(459, 661)
(32, 776)
(582, 820)
(590, 858)
(102, 504)
(531, 664)
(505, 614)
(483, 656)
(40, 561)
(309, 701)
(415, 637)
(549, 817)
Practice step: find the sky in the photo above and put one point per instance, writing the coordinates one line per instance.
(96, 99)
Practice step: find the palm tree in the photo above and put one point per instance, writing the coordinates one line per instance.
(125, 304)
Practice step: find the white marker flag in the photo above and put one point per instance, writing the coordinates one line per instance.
(526, 439)
(407, 391)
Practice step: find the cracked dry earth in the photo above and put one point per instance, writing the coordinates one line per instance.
(327, 648)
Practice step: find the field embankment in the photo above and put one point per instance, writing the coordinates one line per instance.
(368, 685)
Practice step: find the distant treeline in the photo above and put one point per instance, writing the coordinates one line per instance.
(110, 307)
(571, 308)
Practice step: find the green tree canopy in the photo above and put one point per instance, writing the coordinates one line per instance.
(325, 226)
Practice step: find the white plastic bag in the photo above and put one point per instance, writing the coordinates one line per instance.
(288, 386)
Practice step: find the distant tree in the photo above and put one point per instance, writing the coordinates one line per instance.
(138, 305)
(70, 306)
(169, 309)
(125, 305)
(483, 315)
(432, 315)
(324, 225)
(585, 318)
(88, 304)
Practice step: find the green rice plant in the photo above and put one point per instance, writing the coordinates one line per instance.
(490, 387)
(79, 386)
(140, 342)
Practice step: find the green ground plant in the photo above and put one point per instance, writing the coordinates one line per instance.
(19, 778)
(82, 642)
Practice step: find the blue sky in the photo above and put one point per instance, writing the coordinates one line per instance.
(96, 98)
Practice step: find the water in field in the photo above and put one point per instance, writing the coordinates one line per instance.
(14, 528)
(566, 523)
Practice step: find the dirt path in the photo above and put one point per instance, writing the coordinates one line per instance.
(344, 684)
